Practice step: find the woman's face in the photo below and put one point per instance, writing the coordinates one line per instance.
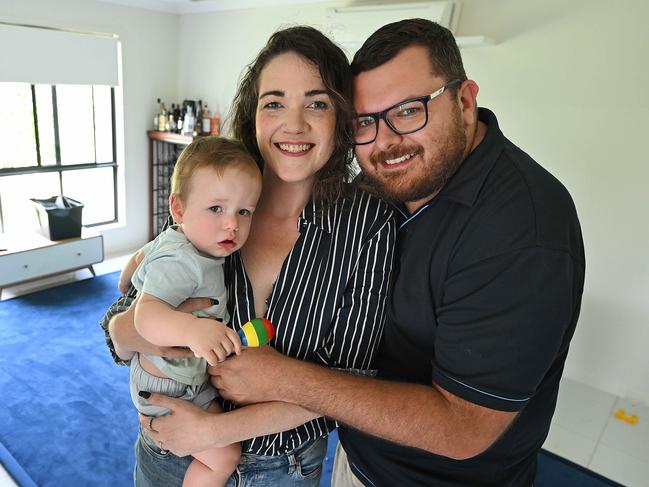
(295, 119)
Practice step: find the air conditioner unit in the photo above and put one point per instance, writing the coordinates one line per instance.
(351, 26)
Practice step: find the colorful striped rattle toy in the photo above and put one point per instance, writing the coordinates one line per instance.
(256, 332)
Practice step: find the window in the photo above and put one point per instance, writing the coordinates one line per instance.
(61, 140)
(58, 92)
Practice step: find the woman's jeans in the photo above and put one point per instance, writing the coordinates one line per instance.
(301, 467)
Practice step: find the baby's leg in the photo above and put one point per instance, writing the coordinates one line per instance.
(212, 468)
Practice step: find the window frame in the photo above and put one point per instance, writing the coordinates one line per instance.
(59, 167)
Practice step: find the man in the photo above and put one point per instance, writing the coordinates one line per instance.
(486, 295)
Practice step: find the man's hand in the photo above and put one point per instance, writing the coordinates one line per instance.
(431, 418)
(184, 431)
(254, 376)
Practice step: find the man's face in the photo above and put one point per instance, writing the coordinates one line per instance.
(411, 168)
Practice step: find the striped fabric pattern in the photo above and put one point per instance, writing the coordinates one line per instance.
(328, 302)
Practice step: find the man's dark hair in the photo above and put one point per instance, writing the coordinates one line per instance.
(333, 67)
(390, 39)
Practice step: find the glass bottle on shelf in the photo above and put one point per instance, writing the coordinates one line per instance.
(162, 118)
(206, 121)
(215, 123)
(197, 119)
(188, 121)
(171, 120)
(156, 117)
(180, 116)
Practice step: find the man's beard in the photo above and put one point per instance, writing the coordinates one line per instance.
(425, 178)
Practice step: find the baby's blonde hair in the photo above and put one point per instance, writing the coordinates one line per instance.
(217, 153)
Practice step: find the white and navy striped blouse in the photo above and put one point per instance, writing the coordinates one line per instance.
(328, 301)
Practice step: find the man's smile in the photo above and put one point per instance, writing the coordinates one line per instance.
(398, 160)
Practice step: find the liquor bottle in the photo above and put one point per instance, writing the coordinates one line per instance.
(215, 128)
(171, 120)
(188, 121)
(156, 117)
(198, 126)
(162, 119)
(178, 115)
(206, 121)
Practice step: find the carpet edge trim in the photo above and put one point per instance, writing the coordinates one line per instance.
(13, 468)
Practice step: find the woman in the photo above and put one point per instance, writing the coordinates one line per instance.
(317, 264)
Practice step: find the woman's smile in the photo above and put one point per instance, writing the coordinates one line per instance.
(294, 148)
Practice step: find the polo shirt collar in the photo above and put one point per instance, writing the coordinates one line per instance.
(465, 185)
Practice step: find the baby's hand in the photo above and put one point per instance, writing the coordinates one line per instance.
(212, 340)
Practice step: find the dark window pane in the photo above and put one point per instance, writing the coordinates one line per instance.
(45, 124)
(76, 135)
(94, 188)
(17, 126)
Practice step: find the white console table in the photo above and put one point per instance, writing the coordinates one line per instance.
(29, 256)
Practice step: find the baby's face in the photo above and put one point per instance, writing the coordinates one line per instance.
(217, 211)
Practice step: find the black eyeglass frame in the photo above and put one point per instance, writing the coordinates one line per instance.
(383, 115)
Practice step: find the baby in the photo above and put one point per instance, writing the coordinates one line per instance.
(215, 187)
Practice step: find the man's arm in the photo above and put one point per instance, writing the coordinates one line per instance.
(425, 417)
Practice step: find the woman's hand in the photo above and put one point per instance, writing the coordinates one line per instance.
(187, 429)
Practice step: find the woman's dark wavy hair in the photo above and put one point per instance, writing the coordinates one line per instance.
(334, 70)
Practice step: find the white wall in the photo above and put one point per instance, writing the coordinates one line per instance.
(150, 53)
(215, 47)
(568, 82)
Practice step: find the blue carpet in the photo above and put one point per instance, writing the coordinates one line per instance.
(555, 471)
(65, 417)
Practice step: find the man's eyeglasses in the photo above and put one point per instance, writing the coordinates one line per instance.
(403, 118)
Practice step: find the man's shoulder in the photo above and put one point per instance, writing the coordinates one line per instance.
(548, 203)
(521, 205)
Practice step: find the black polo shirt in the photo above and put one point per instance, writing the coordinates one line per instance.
(487, 293)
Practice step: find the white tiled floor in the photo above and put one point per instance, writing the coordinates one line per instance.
(584, 429)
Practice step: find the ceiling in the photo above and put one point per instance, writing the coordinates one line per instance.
(193, 6)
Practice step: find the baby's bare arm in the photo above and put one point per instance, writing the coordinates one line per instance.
(127, 340)
(163, 325)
